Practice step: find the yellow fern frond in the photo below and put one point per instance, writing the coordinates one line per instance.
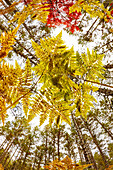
(1, 167)
(26, 104)
(6, 41)
(13, 86)
(34, 8)
(93, 7)
(2, 107)
(66, 163)
(9, 9)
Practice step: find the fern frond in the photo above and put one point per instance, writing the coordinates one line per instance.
(9, 9)
(66, 163)
(59, 64)
(93, 7)
(6, 41)
(15, 84)
(2, 106)
(34, 8)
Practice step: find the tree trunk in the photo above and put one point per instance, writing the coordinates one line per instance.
(96, 142)
(106, 130)
(6, 151)
(82, 143)
(80, 152)
(58, 144)
(68, 147)
(39, 163)
(10, 158)
(54, 149)
(18, 163)
(91, 157)
(27, 153)
(3, 143)
(34, 160)
(49, 155)
(5, 148)
(45, 151)
(7, 156)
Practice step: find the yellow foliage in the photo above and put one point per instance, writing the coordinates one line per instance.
(59, 94)
(56, 63)
(2, 106)
(9, 9)
(13, 85)
(1, 167)
(65, 164)
(109, 168)
(35, 8)
(111, 30)
(93, 7)
(6, 41)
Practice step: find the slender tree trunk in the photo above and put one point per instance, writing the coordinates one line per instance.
(6, 165)
(21, 153)
(106, 130)
(11, 168)
(3, 143)
(82, 143)
(91, 157)
(6, 147)
(46, 151)
(5, 159)
(68, 147)
(96, 142)
(7, 156)
(80, 152)
(18, 163)
(49, 155)
(35, 160)
(27, 153)
(6, 151)
(54, 149)
(39, 163)
(89, 154)
(58, 144)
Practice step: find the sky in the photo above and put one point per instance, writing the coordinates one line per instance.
(70, 40)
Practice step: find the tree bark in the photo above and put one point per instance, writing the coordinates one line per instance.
(80, 152)
(3, 143)
(34, 160)
(92, 157)
(58, 144)
(106, 92)
(106, 130)
(6, 151)
(96, 142)
(109, 66)
(82, 143)
(46, 150)
(27, 153)
(54, 148)
(6, 165)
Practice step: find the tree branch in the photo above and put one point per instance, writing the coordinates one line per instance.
(107, 92)
(108, 66)
(99, 83)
